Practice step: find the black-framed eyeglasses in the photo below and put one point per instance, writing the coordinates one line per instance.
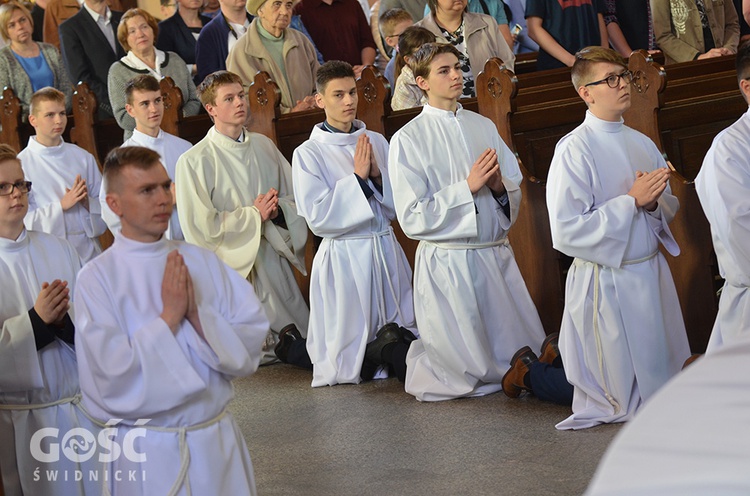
(7, 188)
(613, 80)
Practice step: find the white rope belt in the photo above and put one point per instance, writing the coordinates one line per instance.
(378, 260)
(467, 246)
(597, 336)
(182, 475)
(38, 406)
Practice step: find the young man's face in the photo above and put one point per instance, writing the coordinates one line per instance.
(445, 82)
(606, 102)
(13, 207)
(339, 100)
(147, 109)
(49, 121)
(398, 29)
(230, 106)
(143, 201)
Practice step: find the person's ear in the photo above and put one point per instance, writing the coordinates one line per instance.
(129, 110)
(113, 202)
(585, 93)
(422, 83)
(319, 101)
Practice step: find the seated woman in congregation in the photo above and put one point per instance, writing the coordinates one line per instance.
(136, 34)
(695, 29)
(407, 94)
(25, 65)
(286, 54)
(475, 36)
(179, 32)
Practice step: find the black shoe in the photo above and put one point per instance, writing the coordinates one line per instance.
(389, 333)
(407, 336)
(288, 335)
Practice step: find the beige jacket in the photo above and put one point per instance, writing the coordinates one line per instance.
(678, 29)
(483, 40)
(249, 55)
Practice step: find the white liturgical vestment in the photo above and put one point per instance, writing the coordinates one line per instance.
(132, 367)
(691, 438)
(723, 186)
(52, 169)
(31, 378)
(169, 148)
(472, 307)
(217, 182)
(360, 278)
(622, 335)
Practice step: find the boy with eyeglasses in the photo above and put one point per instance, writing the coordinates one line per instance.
(65, 199)
(38, 370)
(622, 335)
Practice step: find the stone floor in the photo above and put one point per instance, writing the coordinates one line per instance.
(375, 439)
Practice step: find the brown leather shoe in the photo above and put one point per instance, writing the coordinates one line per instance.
(519, 366)
(550, 351)
(691, 359)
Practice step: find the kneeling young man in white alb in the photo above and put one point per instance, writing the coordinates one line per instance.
(622, 335)
(723, 186)
(361, 280)
(234, 194)
(456, 189)
(163, 327)
(65, 200)
(145, 104)
(38, 372)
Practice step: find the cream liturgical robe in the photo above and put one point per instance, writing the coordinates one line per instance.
(52, 169)
(217, 182)
(691, 438)
(622, 335)
(472, 306)
(175, 386)
(170, 148)
(723, 185)
(31, 378)
(360, 278)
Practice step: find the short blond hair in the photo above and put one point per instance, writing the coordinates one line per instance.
(208, 88)
(47, 94)
(388, 20)
(122, 29)
(586, 60)
(6, 11)
(7, 153)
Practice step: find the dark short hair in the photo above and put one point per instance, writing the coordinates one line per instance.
(208, 88)
(127, 156)
(423, 57)
(742, 62)
(587, 58)
(144, 82)
(409, 42)
(333, 69)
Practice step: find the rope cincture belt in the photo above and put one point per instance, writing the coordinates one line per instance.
(38, 406)
(182, 475)
(378, 260)
(468, 246)
(597, 336)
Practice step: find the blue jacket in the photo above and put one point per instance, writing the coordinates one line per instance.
(211, 49)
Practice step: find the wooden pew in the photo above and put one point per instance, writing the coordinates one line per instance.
(689, 121)
(532, 113)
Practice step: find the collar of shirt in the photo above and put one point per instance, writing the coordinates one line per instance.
(132, 60)
(107, 16)
(331, 129)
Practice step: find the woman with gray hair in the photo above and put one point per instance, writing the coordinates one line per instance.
(286, 54)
